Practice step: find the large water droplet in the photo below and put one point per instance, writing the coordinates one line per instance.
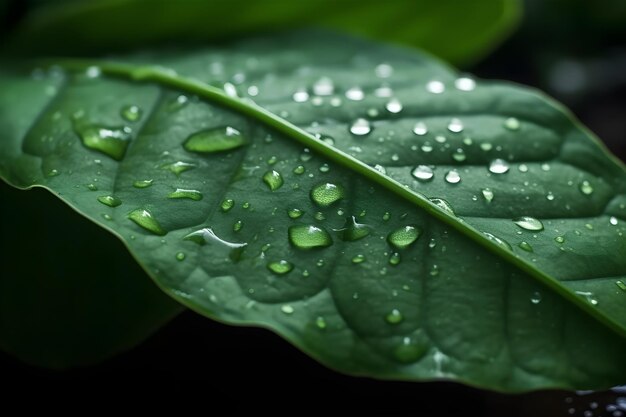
(393, 106)
(352, 230)
(109, 200)
(142, 183)
(111, 141)
(145, 219)
(394, 317)
(309, 237)
(227, 204)
(326, 194)
(273, 180)
(443, 204)
(528, 223)
(131, 113)
(500, 242)
(360, 127)
(215, 140)
(281, 267)
(498, 166)
(453, 177)
(423, 173)
(404, 237)
(613, 220)
(185, 193)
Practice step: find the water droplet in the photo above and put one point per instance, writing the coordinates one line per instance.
(207, 235)
(326, 194)
(179, 167)
(589, 296)
(512, 123)
(453, 177)
(383, 70)
(227, 204)
(394, 317)
(420, 129)
(107, 216)
(613, 220)
(393, 106)
(145, 219)
(295, 213)
(287, 309)
(386, 216)
(319, 216)
(109, 200)
(486, 146)
(585, 188)
(323, 87)
(404, 237)
(559, 239)
(300, 96)
(498, 166)
(545, 167)
(178, 103)
(443, 204)
(621, 285)
(92, 187)
(299, 170)
(435, 87)
(355, 94)
(550, 196)
(426, 147)
(309, 237)
(237, 225)
(465, 84)
(324, 168)
(394, 259)
(360, 127)
(525, 246)
(380, 169)
(281, 267)
(93, 71)
(440, 139)
(352, 230)
(184, 193)
(459, 155)
(215, 140)
(455, 126)
(528, 223)
(500, 242)
(320, 323)
(410, 351)
(180, 256)
(357, 259)
(523, 168)
(142, 183)
(423, 173)
(273, 180)
(487, 194)
(131, 113)
(535, 298)
(111, 141)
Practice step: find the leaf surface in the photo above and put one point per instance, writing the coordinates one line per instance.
(306, 214)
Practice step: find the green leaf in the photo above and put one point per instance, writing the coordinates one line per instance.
(70, 294)
(319, 217)
(460, 32)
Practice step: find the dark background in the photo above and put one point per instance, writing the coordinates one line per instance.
(573, 50)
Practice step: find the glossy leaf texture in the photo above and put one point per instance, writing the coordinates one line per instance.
(70, 295)
(460, 32)
(386, 215)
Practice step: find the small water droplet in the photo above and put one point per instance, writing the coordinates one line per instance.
(404, 237)
(613, 220)
(525, 246)
(92, 187)
(394, 317)
(131, 113)
(443, 204)
(107, 216)
(185, 193)
(319, 216)
(420, 129)
(386, 216)
(227, 204)
(585, 188)
(512, 123)
(621, 285)
(502, 243)
(281, 267)
(324, 168)
(300, 96)
(487, 194)
(453, 177)
(440, 139)
(142, 183)
(295, 213)
(435, 87)
(465, 84)
(324, 87)
(423, 173)
(535, 298)
(383, 70)
(455, 126)
(545, 167)
(237, 226)
(589, 296)
(360, 127)
(287, 309)
(299, 170)
(180, 256)
(320, 323)
(380, 169)
(426, 147)
(111, 141)
(394, 259)
(145, 219)
(528, 223)
(109, 200)
(459, 155)
(498, 166)
(523, 168)
(559, 239)
(352, 230)
(309, 237)
(179, 167)
(486, 146)
(355, 94)
(394, 106)
(215, 140)
(326, 194)
(357, 259)
(273, 180)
